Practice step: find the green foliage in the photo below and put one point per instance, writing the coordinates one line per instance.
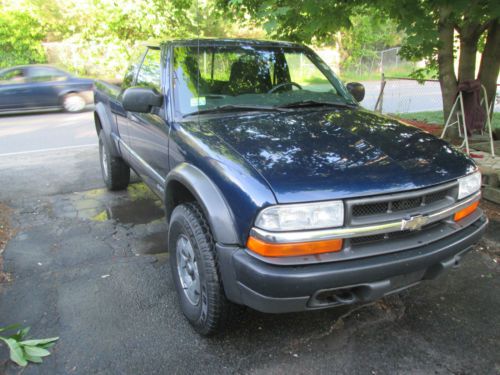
(369, 34)
(99, 37)
(20, 39)
(304, 21)
(422, 74)
(367, 21)
(22, 351)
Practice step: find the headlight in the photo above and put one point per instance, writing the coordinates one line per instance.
(469, 184)
(301, 216)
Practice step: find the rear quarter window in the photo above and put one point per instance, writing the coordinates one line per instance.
(43, 74)
(12, 76)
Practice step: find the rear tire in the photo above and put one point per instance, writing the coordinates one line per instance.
(195, 271)
(115, 173)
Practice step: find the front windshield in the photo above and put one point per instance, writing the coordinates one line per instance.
(207, 77)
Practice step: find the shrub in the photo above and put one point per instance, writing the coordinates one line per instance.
(21, 38)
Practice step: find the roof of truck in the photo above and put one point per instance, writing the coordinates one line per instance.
(230, 41)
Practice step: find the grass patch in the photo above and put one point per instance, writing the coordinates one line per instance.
(357, 77)
(436, 117)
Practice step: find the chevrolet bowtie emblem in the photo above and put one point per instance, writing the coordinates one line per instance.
(414, 222)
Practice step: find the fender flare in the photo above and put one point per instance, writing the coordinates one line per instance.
(101, 112)
(208, 195)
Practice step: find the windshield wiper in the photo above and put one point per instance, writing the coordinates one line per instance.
(235, 108)
(315, 103)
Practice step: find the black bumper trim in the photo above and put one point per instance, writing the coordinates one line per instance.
(276, 289)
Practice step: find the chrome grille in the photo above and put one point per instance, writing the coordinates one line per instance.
(370, 209)
(435, 197)
(398, 206)
(407, 204)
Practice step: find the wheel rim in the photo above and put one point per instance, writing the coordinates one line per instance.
(74, 103)
(187, 268)
(104, 161)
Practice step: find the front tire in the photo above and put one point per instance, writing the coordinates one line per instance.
(115, 173)
(194, 270)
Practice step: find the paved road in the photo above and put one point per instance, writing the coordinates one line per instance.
(404, 96)
(32, 133)
(91, 267)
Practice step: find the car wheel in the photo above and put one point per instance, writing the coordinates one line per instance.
(115, 173)
(73, 103)
(194, 270)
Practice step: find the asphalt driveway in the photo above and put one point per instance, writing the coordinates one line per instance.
(91, 267)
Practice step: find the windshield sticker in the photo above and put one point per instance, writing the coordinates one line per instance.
(196, 102)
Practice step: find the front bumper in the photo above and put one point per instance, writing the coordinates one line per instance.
(277, 289)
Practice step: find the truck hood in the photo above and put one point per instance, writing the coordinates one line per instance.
(310, 155)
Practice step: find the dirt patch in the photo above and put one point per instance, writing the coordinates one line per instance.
(434, 129)
(491, 209)
(490, 244)
(6, 233)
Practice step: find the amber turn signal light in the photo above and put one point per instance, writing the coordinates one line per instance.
(465, 211)
(293, 249)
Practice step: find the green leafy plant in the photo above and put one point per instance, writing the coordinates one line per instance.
(21, 350)
(21, 37)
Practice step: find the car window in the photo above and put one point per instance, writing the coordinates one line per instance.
(149, 73)
(13, 76)
(46, 74)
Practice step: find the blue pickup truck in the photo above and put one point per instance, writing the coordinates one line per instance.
(281, 192)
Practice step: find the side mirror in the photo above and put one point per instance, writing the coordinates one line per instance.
(357, 90)
(138, 99)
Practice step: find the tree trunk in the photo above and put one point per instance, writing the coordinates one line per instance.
(467, 60)
(490, 61)
(447, 77)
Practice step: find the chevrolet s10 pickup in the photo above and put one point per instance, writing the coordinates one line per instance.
(280, 191)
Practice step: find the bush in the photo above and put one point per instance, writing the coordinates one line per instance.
(21, 38)
(102, 58)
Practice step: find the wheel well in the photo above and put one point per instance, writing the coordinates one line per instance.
(61, 96)
(97, 121)
(175, 194)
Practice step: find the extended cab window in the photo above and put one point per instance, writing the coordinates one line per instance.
(150, 72)
(130, 74)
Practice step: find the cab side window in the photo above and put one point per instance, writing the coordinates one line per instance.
(150, 72)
